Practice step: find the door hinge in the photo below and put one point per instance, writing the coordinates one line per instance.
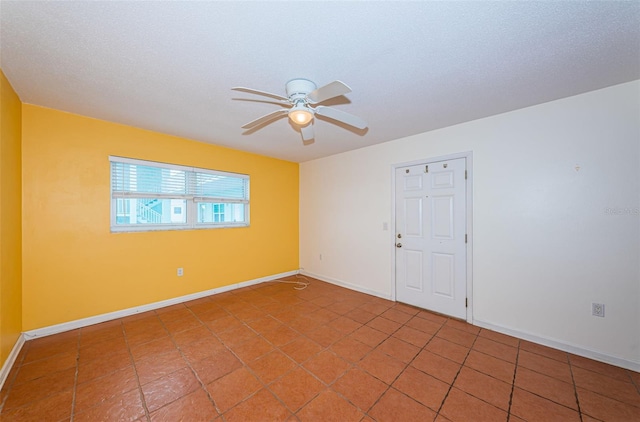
(465, 238)
(426, 169)
(465, 175)
(466, 302)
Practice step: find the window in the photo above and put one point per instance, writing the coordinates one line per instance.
(155, 196)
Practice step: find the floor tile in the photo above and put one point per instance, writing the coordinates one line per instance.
(351, 349)
(233, 388)
(201, 349)
(461, 337)
(499, 337)
(270, 352)
(153, 348)
(409, 309)
(123, 407)
(50, 346)
(424, 325)
(396, 315)
(376, 308)
(252, 349)
(399, 349)
(436, 366)
(369, 336)
(301, 349)
(175, 326)
(280, 335)
(93, 392)
(237, 336)
(606, 386)
(412, 336)
(220, 325)
(422, 387)
(484, 387)
(264, 324)
(151, 369)
(495, 349)
(327, 366)
(383, 324)
(262, 406)
(249, 313)
(174, 312)
(98, 333)
(360, 315)
(194, 406)
(344, 325)
(531, 407)
(191, 335)
(382, 366)
(539, 349)
(491, 366)
(447, 349)
(599, 367)
(461, 325)
(395, 406)
(462, 407)
(210, 314)
(297, 388)
(40, 388)
(144, 335)
(325, 336)
(324, 316)
(55, 407)
(545, 365)
(99, 350)
(547, 387)
(169, 388)
(42, 367)
(216, 366)
(329, 407)
(605, 408)
(346, 307)
(272, 366)
(360, 388)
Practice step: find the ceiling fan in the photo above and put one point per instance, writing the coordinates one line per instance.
(300, 105)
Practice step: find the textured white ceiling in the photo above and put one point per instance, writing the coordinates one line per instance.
(413, 66)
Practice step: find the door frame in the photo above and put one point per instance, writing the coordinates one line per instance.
(468, 155)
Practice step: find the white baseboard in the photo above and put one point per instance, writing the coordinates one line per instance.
(84, 322)
(566, 347)
(11, 359)
(346, 285)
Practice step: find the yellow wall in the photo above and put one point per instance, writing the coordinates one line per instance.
(75, 268)
(10, 219)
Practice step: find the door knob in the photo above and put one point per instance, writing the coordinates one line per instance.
(398, 245)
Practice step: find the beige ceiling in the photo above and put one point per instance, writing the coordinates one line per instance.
(413, 66)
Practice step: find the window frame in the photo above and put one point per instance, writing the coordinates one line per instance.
(192, 198)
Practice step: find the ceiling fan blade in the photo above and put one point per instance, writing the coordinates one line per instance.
(307, 132)
(330, 90)
(266, 118)
(266, 94)
(341, 116)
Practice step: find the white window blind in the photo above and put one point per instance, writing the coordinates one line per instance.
(147, 195)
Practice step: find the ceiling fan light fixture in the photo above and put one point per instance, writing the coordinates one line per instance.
(300, 115)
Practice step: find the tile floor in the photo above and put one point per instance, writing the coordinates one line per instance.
(269, 352)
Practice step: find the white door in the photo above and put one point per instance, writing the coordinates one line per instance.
(430, 238)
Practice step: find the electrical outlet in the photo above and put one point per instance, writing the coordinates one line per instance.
(597, 309)
(180, 272)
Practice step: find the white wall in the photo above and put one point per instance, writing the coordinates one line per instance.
(544, 246)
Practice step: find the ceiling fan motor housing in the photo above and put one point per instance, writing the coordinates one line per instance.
(299, 88)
